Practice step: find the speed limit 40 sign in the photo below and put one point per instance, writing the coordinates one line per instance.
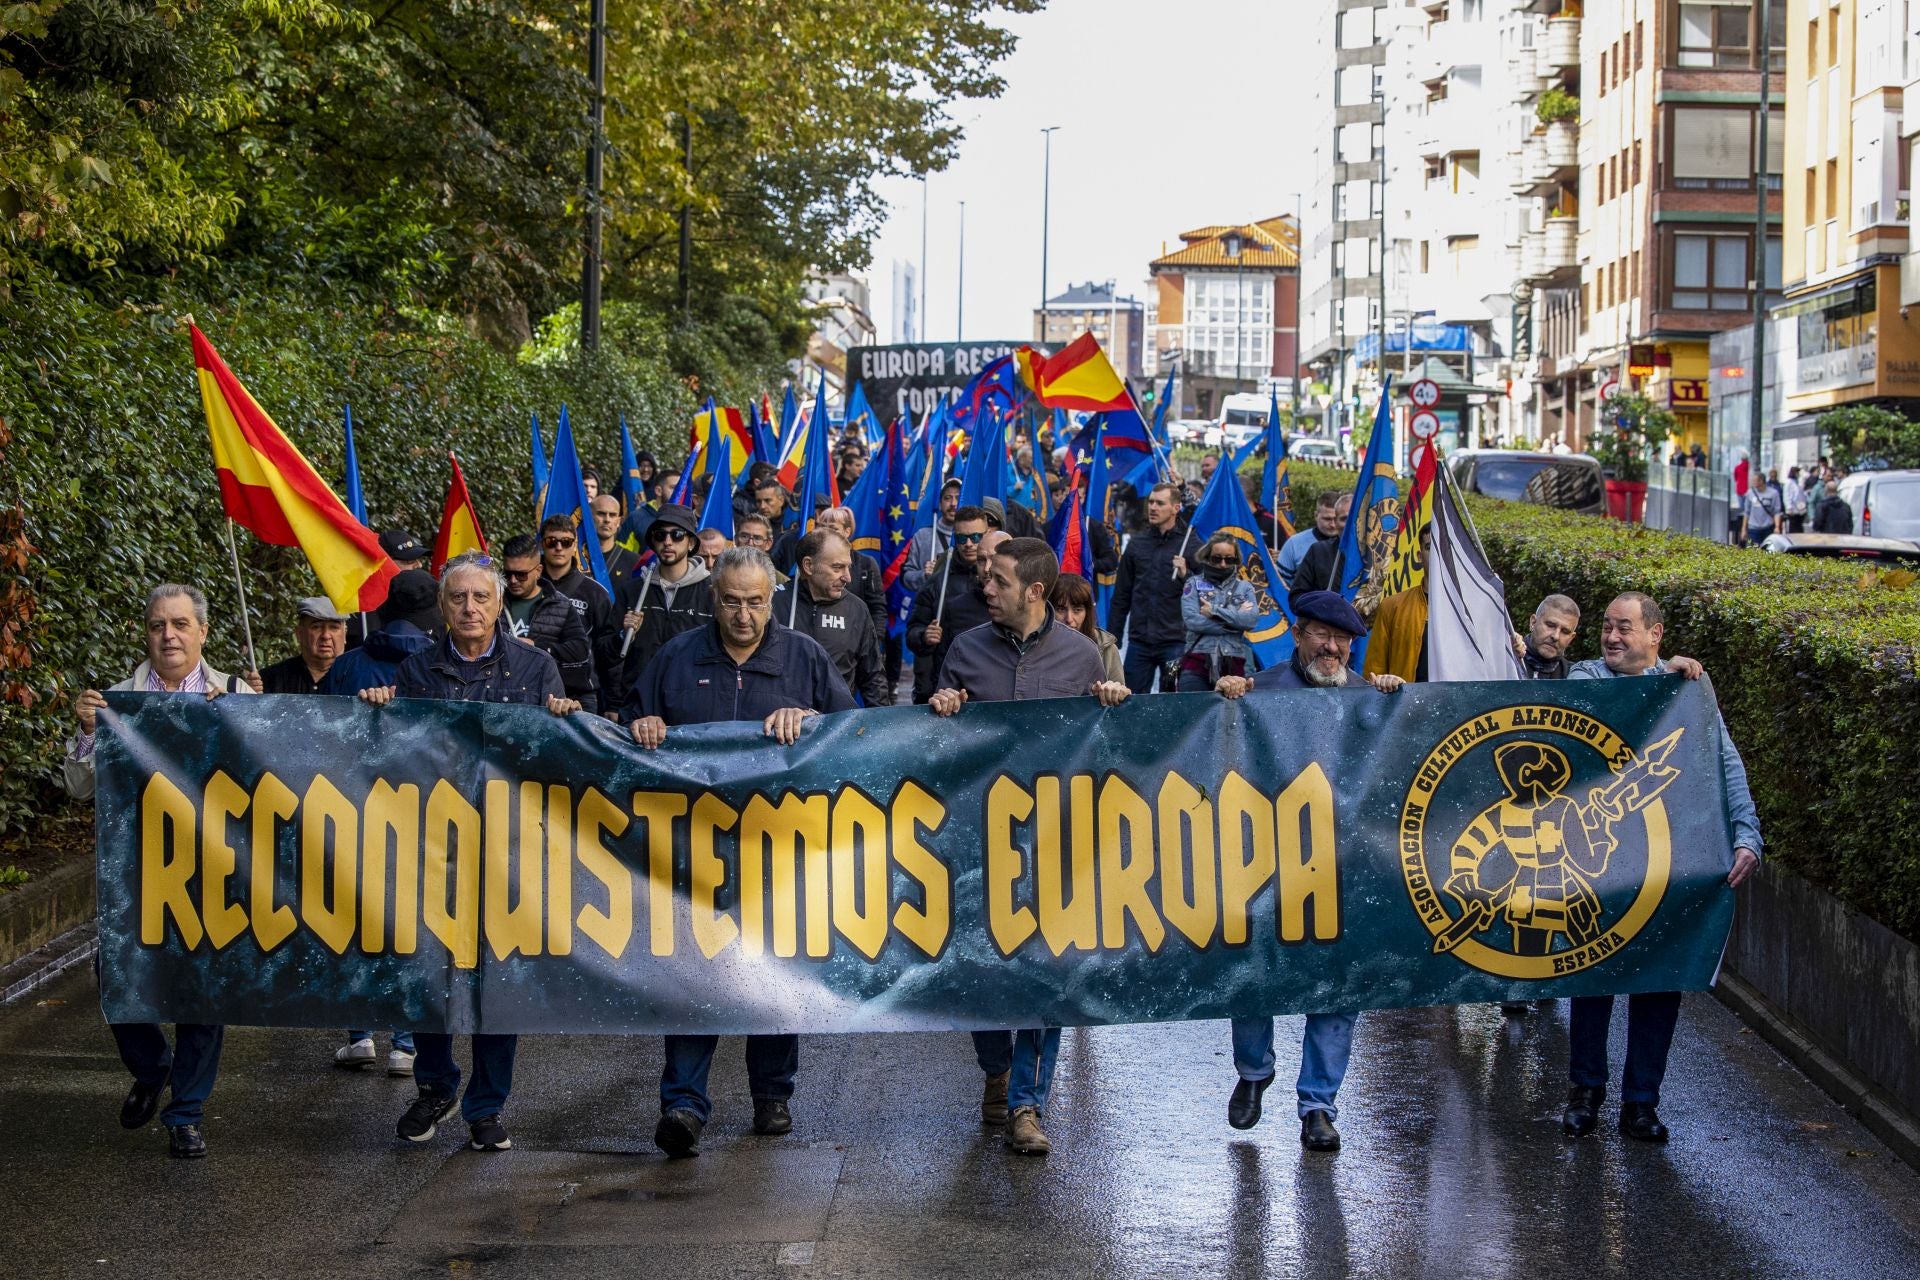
(1424, 393)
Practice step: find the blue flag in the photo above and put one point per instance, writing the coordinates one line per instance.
(356, 501)
(985, 473)
(927, 509)
(883, 521)
(815, 482)
(1274, 494)
(1160, 413)
(539, 466)
(567, 496)
(766, 445)
(630, 484)
(1223, 509)
(1374, 520)
(718, 512)
(683, 487)
(861, 415)
(789, 418)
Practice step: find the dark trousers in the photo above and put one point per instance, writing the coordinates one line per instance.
(772, 1062)
(187, 1067)
(1145, 662)
(1651, 1018)
(894, 648)
(435, 1071)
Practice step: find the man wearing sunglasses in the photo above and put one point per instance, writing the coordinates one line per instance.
(670, 596)
(560, 561)
(546, 620)
(932, 625)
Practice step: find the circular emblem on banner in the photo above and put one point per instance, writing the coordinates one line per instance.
(1534, 842)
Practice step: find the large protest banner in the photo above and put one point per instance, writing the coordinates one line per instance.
(459, 866)
(908, 379)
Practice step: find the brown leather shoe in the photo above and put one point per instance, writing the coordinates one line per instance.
(993, 1099)
(1024, 1133)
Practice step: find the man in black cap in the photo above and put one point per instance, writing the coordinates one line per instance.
(404, 625)
(406, 552)
(1324, 630)
(320, 634)
(661, 601)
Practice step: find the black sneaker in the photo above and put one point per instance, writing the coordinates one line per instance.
(424, 1116)
(141, 1102)
(678, 1133)
(490, 1134)
(184, 1142)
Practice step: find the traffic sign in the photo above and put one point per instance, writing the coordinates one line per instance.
(1425, 393)
(1424, 424)
(1609, 389)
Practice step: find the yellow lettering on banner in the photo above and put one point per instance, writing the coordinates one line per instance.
(1181, 804)
(1064, 888)
(1123, 883)
(712, 931)
(391, 811)
(323, 807)
(782, 831)
(1308, 875)
(1246, 853)
(273, 803)
(166, 822)
(927, 926)
(512, 925)
(861, 878)
(612, 928)
(658, 809)
(458, 926)
(225, 800)
(1008, 805)
(559, 868)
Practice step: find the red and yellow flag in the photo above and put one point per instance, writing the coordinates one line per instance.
(1078, 376)
(273, 491)
(710, 423)
(459, 523)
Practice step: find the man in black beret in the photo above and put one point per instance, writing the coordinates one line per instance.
(1325, 627)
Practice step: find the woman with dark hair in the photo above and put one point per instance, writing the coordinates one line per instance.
(1217, 605)
(1072, 601)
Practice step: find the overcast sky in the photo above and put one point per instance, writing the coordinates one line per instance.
(1171, 115)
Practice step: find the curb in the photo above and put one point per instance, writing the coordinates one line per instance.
(1887, 1121)
(45, 908)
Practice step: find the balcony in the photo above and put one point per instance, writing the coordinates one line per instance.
(1560, 150)
(1559, 53)
(1533, 255)
(1558, 244)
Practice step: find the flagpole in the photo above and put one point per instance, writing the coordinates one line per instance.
(246, 626)
(645, 584)
(946, 568)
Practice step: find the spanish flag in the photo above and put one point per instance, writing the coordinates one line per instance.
(1078, 376)
(459, 522)
(710, 423)
(270, 489)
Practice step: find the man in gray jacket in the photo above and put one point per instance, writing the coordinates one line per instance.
(1020, 653)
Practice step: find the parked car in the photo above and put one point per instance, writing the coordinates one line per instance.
(1846, 546)
(1568, 481)
(1192, 431)
(1310, 450)
(1886, 504)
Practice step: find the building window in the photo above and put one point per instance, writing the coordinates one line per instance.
(1712, 148)
(1709, 272)
(1715, 33)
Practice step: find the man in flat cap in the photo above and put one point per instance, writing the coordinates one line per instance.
(1325, 628)
(320, 636)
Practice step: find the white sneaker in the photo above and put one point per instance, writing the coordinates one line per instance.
(399, 1063)
(355, 1053)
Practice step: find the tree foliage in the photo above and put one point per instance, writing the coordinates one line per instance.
(1640, 429)
(1866, 433)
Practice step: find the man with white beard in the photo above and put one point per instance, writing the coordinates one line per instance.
(1324, 631)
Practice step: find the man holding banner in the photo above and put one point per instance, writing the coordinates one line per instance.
(1020, 653)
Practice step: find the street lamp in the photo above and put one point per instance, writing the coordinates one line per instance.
(1046, 192)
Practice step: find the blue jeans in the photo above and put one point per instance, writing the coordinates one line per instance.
(772, 1062)
(1028, 1056)
(187, 1067)
(402, 1040)
(1324, 1051)
(1143, 663)
(1651, 1018)
(435, 1071)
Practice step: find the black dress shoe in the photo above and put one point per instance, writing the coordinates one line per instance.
(1317, 1132)
(771, 1117)
(1639, 1121)
(1243, 1108)
(141, 1102)
(678, 1133)
(184, 1142)
(1582, 1113)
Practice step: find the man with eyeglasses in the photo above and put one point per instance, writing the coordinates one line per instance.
(560, 560)
(1324, 631)
(743, 665)
(670, 596)
(952, 601)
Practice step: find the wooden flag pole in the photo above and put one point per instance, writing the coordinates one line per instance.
(246, 626)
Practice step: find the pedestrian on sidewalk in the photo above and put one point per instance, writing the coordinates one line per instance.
(478, 660)
(743, 665)
(176, 633)
(1023, 652)
(1630, 637)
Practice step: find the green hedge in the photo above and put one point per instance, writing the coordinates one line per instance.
(108, 467)
(1815, 671)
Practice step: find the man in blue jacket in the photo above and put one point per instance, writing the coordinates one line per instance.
(742, 666)
(477, 661)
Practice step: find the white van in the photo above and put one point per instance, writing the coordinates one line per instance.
(1242, 417)
(1886, 504)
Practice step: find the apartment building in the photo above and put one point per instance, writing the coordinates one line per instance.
(1116, 322)
(1226, 308)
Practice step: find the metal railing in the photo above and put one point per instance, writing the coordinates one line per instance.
(1689, 500)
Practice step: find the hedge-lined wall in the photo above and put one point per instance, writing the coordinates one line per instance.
(1815, 672)
(108, 473)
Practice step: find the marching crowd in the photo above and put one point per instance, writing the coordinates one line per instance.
(778, 627)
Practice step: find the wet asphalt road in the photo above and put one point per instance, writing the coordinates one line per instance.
(1453, 1165)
